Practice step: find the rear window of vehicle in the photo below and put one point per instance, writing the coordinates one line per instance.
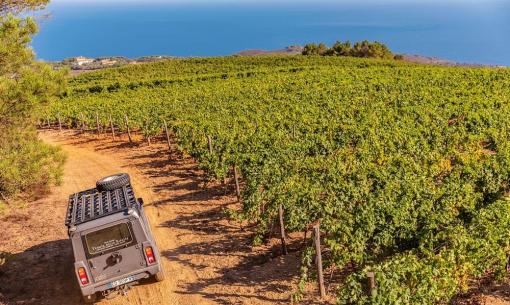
(107, 239)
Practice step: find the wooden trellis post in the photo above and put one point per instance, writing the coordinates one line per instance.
(97, 124)
(127, 127)
(111, 126)
(282, 230)
(59, 123)
(167, 136)
(372, 286)
(82, 122)
(236, 178)
(318, 260)
(209, 144)
(305, 233)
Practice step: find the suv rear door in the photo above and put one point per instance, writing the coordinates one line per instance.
(112, 251)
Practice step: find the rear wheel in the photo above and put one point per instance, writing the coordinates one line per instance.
(89, 299)
(112, 182)
(160, 276)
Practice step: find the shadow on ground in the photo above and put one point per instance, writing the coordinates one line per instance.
(263, 275)
(42, 274)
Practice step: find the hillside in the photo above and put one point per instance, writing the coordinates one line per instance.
(290, 50)
(405, 166)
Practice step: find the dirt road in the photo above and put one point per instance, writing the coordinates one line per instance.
(208, 260)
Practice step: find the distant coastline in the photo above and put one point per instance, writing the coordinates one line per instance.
(82, 64)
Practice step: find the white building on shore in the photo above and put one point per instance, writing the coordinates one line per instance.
(80, 60)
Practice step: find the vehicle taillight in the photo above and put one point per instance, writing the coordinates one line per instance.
(151, 259)
(82, 274)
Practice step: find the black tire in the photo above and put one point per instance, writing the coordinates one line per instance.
(160, 276)
(112, 182)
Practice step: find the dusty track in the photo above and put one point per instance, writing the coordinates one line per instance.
(208, 260)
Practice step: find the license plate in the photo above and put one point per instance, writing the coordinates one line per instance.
(120, 282)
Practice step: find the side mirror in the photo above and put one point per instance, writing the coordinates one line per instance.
(140, 201)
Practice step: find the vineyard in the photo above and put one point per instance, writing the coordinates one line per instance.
(405, 167)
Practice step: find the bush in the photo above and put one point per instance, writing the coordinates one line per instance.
(314, 49)
(371, 50)
(96, 89)
(342, 48)
(29, 166)
(364, 48)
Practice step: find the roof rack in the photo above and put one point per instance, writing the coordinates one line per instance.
(92, 204)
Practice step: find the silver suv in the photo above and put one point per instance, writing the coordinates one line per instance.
(112, 241)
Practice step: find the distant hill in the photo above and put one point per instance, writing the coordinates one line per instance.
(442, 62)
(420, 59)
(290, 50)
(427, 60)
(295, 50)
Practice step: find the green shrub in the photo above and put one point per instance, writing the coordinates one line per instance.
(29, 165)
(365, 48)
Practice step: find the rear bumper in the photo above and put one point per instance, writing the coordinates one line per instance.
(103, 285)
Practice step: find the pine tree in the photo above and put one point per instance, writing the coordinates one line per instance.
(26, 85)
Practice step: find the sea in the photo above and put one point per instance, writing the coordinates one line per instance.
(464, 31)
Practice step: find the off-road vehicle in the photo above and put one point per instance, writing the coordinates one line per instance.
(111, 237)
